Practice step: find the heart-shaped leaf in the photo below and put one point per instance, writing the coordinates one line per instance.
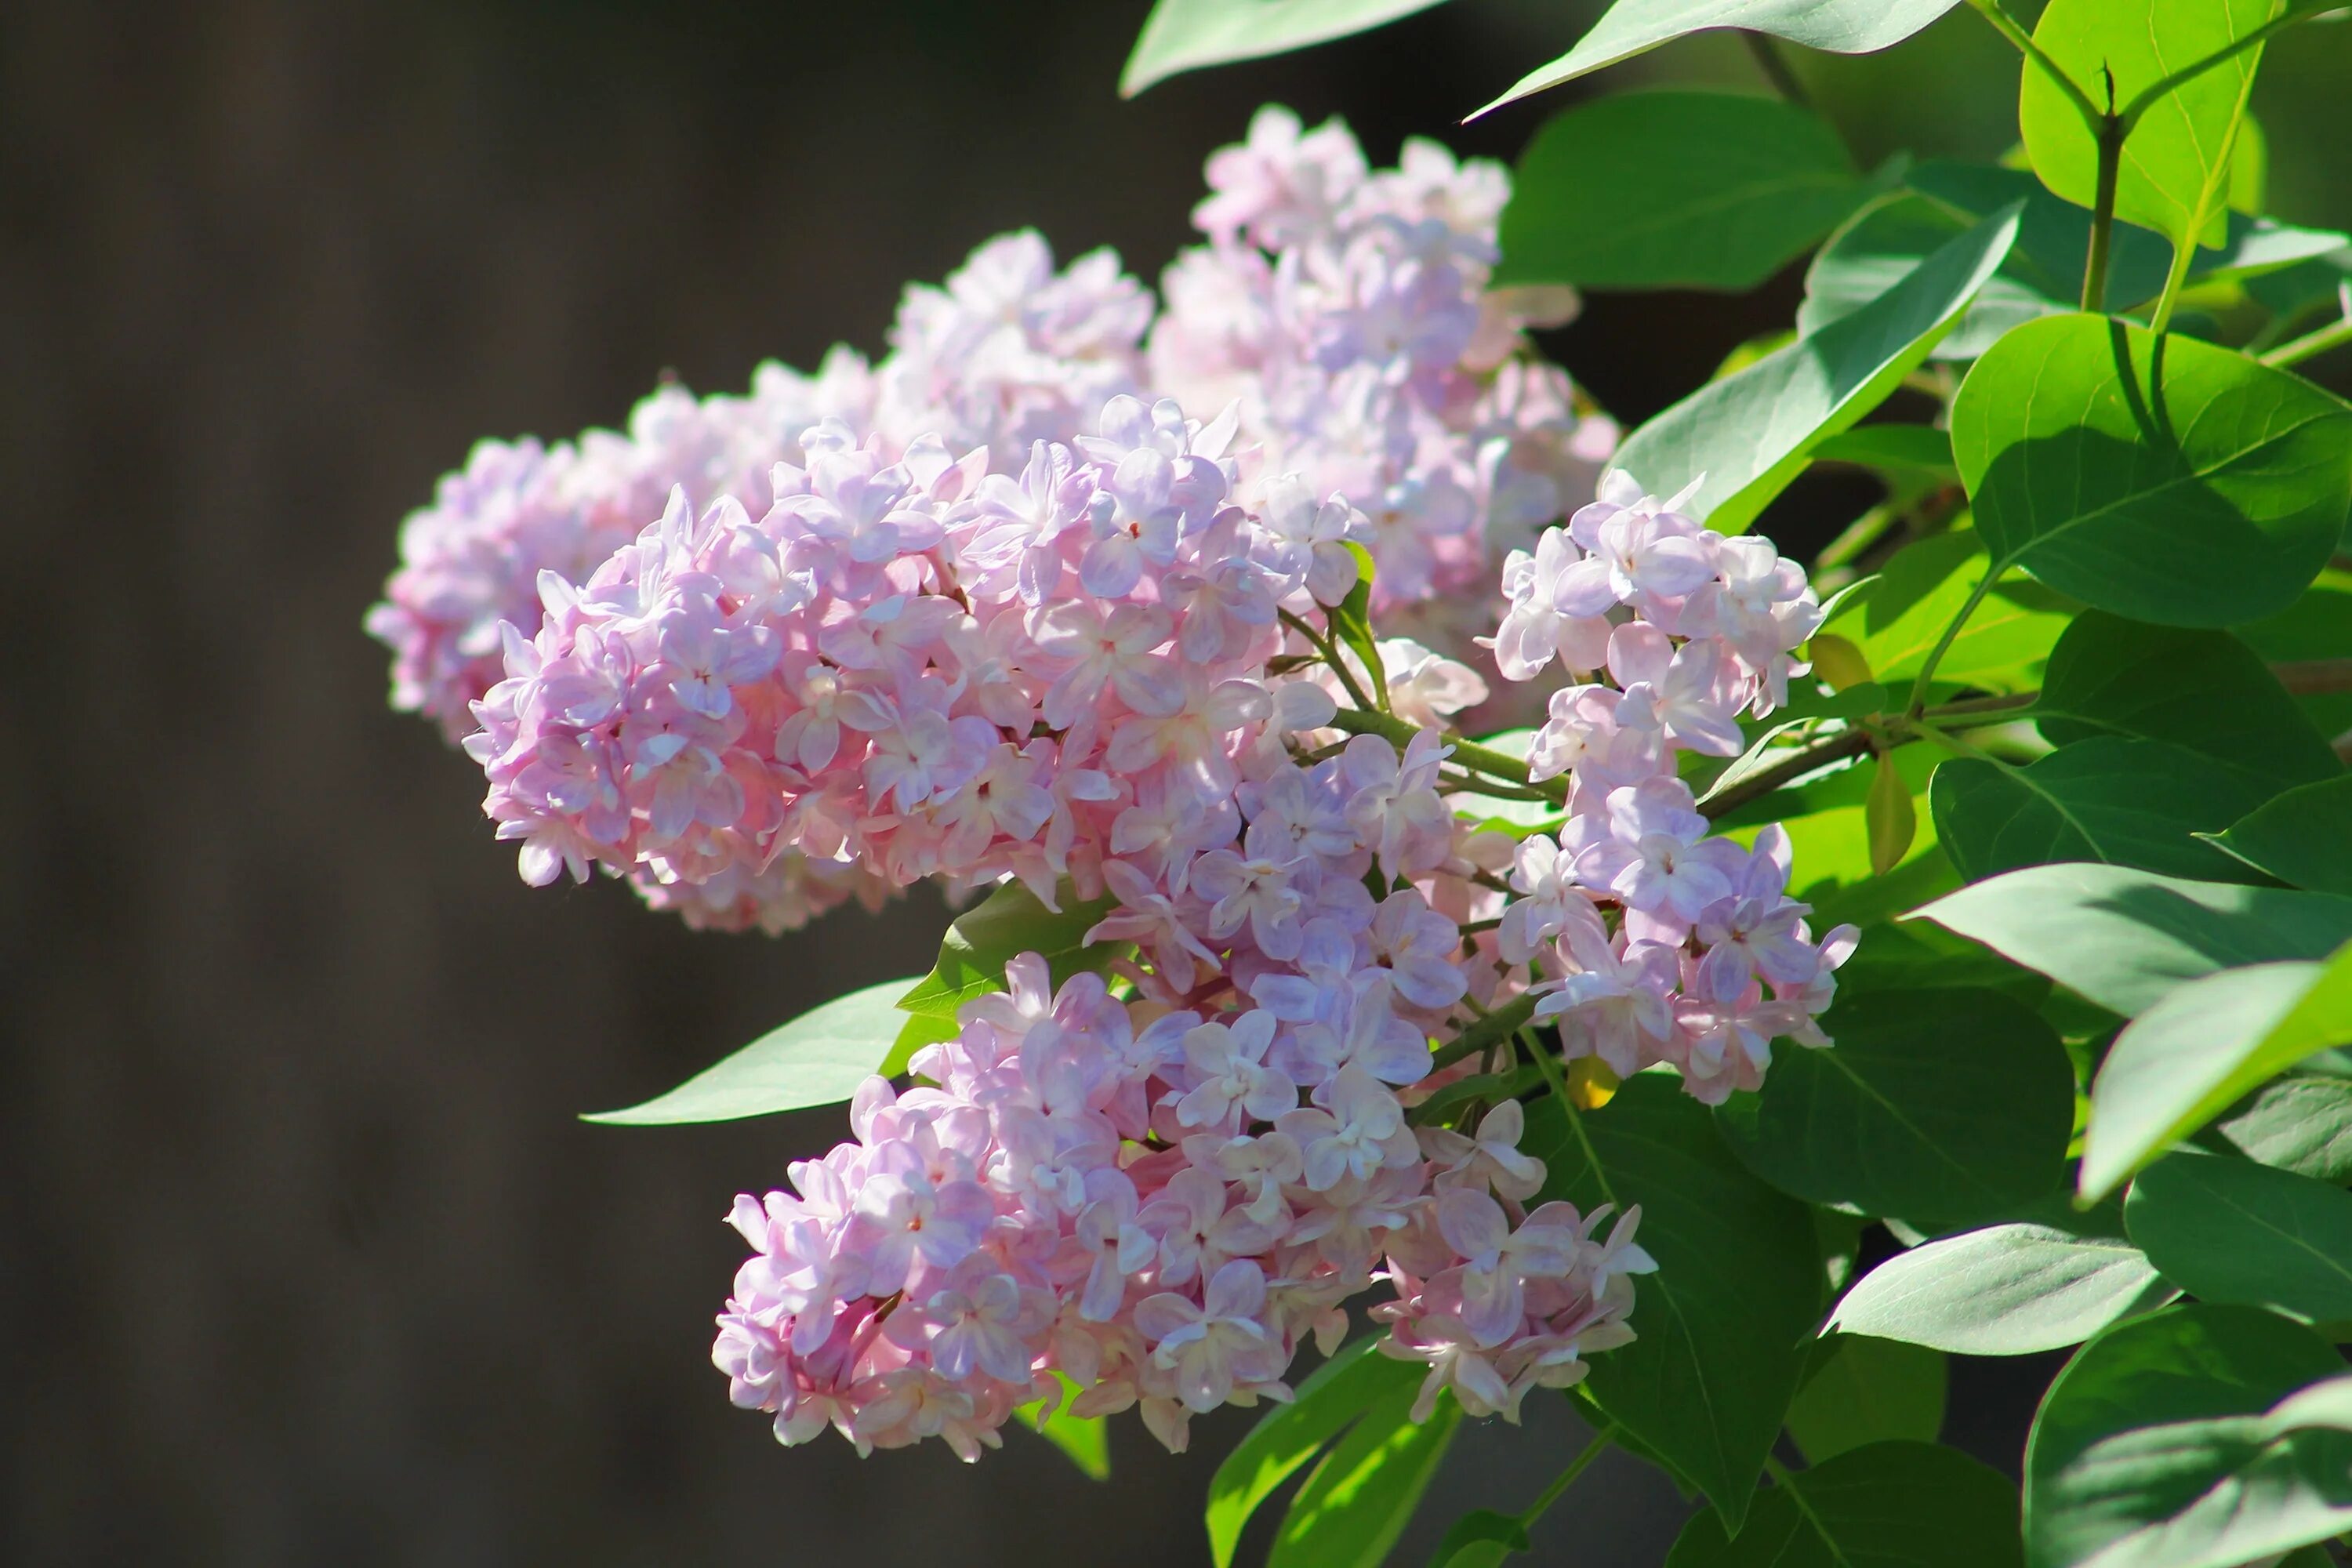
(2203, 689)
(2125, 802)
(2185, 485)
(1708, 190)
(1941, 1107)
(1708, 1383)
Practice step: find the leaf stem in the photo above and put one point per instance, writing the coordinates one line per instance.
(2110, 131)
(1499, 1025)
(1775, 67)
(1469, 755)
(2310, 345)
(1330, 653)
(1576, 1467)
(1919, 702)
(2010, 27)
(1847, 743)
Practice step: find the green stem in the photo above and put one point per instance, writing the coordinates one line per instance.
(1330, 656)
(1847, 743)
(1499, 1025)
(2311, 345)
(2110, 131)
(2008, 27)
(1469, 755)
(1566, 1477)
(1860, 535)
(1919, 702)
(1769, 60)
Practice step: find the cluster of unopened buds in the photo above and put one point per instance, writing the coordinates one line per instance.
(988, 610)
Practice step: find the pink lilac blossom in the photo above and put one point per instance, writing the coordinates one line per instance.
(1158, 1183)
(1347, 312)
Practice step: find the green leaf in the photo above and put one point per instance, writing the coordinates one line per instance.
(1351, 623)
(1360, 1498)
(2042, 275)
(1085, 1439)
(2136, 1460)
(1705, 190)
(1944, 1106)
(2007, 1290)
(1480, 1539)
(2303, 838)
(1923, 588)
(2189, 1057)
(2175, 171)
(2203, 689)
(980, 941)
(1921, 957)
(2226, 1229)
(1339, 1391)
(2316, 626)
(1185, 34)
(1888, 818)
(1889, 1505)
(2192, 487)
(1869, 1391)
(2302, 1122)
(2126, 803)
(1749, 434)
(1919, 449)
(2125, 938)
(1634, 26)
(1708, 1383)
(818, 1058)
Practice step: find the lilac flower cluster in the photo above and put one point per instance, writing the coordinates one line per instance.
(1159, 1193)
(1676, 630)
(1347, 312)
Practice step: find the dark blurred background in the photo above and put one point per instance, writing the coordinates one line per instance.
(303, 1257)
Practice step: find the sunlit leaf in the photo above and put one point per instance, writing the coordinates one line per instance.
(2175, 170)
(818, 1058)
(2174, 1441)
(2006, 1289)
(1185, 34)
(2190, 487)
(1751, 433)
(2190, 1057)
(1633, 26)
(2124, 938)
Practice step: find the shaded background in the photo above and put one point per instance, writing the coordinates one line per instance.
(302, 1257)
